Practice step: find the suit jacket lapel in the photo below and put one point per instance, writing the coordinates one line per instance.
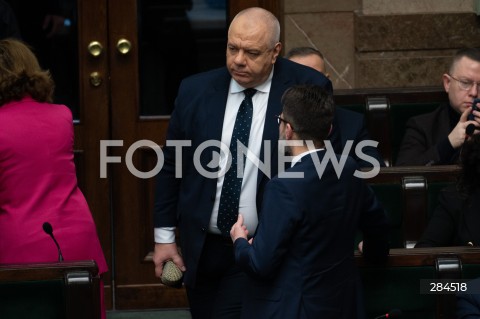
(280, 82)
(215, 103)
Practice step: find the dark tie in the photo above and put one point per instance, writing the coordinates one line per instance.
(232, 185)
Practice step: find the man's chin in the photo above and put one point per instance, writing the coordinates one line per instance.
(243, 82)
(242, 78)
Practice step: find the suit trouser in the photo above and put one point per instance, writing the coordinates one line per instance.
(220, 284)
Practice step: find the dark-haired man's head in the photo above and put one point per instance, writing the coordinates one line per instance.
(307, 114)
(462, 82)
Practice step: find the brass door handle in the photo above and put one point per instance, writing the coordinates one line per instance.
(124, 46)
(95, 48)
(95, 79)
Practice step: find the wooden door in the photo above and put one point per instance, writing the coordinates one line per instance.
(92, 120)
(135, 283)
(163, 46)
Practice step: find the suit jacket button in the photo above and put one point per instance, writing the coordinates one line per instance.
(204, 229)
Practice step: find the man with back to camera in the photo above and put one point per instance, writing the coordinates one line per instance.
(347, 125)
(436, 138)
(213, 106)
(301, 260)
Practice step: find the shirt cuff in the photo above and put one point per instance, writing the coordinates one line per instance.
(164, 235)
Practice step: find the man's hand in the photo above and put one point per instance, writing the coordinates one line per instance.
(457, 135)
(360, 247)
(239, 230)
(164, 252)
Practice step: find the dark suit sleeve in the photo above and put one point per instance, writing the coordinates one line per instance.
(426, 140)
(441, 227)
(374, 226)
(167, 185)
(468, 307)
(275, 229)
(414, 149)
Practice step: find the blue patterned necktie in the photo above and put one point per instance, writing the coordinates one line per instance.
(232, 185)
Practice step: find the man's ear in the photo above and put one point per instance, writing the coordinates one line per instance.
(288, 131)
(446, 82)
(276, 51)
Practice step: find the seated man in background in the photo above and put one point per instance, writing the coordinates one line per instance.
(456, 220)
(436, 138)
(310, 57)
(301, 259)
(347, 125)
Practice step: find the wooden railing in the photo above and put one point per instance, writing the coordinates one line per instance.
(68, 290)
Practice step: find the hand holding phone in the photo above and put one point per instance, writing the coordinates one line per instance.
(471, 127)
(471, 117)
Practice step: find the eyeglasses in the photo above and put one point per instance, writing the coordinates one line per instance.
(465, 84)
(279, 119)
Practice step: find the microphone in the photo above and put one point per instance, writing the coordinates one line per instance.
(394, 313)
(47, 228)
(171, 276)
(471, 127)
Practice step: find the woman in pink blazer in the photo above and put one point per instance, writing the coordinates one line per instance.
(37, 174)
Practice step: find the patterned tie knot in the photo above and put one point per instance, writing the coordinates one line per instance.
(249, 92)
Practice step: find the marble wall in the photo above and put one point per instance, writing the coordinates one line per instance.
(383, 43)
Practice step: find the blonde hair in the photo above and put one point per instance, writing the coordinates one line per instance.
(21, 74)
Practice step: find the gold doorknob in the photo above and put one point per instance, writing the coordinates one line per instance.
(95, 79)
(95, 48)
(124, 46)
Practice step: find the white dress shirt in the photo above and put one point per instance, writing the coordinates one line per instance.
(247, 204)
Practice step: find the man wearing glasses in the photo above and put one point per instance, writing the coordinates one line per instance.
(300, 260)
(436, 138)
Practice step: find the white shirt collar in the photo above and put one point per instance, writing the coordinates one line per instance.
(298, 158)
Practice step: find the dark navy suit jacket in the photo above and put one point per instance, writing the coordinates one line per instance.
(468, 303)
(350, 126)
(301, 262)
(187, 202)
